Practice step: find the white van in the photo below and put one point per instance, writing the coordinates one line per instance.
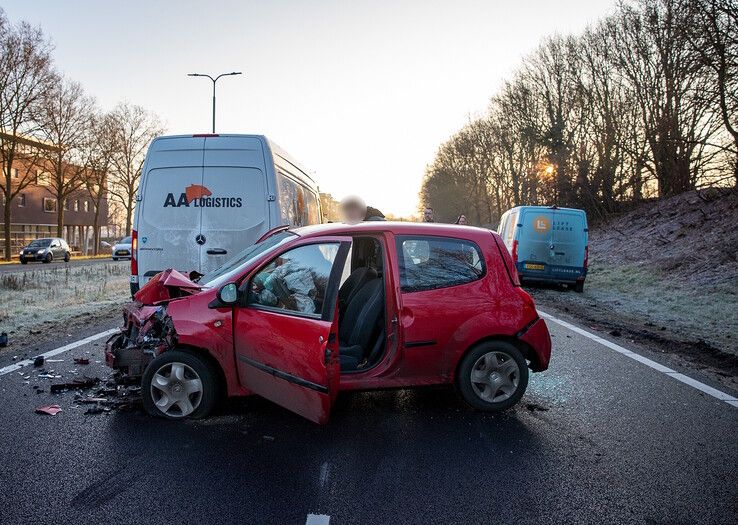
(204, 198)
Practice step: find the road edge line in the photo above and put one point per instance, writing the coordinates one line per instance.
(702, 387)
(20, 364)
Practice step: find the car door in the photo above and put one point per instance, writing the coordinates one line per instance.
(56, 250)
(286, 330)
(441, 287)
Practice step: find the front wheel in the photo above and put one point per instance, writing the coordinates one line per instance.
(492, 376)
(23, 261)
(179, 385)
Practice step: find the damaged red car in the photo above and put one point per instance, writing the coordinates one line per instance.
(308, 312)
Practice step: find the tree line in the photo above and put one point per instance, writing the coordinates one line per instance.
(642, 104)
(83, 147)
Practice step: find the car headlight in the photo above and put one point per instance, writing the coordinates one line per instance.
(40, 252)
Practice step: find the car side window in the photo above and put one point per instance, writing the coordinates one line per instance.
(295, 281)
(428, 263)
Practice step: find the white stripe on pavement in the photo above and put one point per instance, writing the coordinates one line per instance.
(317, 519)
(714, 392)
(20, 364)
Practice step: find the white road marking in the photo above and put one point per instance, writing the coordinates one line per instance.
(317, 519)
(20, 364)
(714, 392)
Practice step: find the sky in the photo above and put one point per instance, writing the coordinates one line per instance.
(361, 93)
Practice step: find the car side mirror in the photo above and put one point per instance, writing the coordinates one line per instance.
(227, 296)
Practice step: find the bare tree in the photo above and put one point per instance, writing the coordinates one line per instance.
(134, 129)
(100, 147)
(25, 76)
(64, 117)
(713, 36)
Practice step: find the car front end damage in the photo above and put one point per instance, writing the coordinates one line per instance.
(147, 331)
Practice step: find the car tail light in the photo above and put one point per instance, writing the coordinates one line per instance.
(134, 252)
(515, 252)
(586, 256)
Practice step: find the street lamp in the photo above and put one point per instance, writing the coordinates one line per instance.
(214, 81)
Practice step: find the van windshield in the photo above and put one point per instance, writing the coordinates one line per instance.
(221, 275)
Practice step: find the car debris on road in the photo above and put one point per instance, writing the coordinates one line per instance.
(50, 410)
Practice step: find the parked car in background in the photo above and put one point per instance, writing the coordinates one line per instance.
(122, 249)
(46, 250)
(548, 244)
(204, 198)
(307, 312)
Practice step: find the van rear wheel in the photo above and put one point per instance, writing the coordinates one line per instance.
(579, 287)
(492, 376)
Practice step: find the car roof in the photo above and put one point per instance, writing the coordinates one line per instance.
(397, 228)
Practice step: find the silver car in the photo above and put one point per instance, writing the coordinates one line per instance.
(122, 249)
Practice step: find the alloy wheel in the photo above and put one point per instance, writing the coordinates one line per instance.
(176, 389)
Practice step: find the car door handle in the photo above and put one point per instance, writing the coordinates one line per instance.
(217, 251)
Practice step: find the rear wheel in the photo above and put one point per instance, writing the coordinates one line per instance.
(179, 385)
(579, 287)
(66, 257)
(492, 376)
(48, 258)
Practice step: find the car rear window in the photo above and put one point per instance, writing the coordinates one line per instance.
(428, 263)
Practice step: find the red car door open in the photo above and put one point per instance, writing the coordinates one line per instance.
(286, 332)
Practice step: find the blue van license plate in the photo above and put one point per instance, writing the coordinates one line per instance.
(529, 266)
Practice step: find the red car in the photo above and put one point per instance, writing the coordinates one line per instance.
(310, 311)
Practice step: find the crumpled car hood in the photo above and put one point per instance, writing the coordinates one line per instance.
(165, 286)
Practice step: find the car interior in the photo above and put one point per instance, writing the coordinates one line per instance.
(361, 307)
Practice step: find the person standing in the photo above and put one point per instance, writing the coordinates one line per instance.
(354, 210)
(461, 220)
(428, 214)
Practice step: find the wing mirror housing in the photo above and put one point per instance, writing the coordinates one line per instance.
(227, 296)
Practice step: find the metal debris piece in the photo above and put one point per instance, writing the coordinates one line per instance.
(50, 410)
(81, 361)
(39, 361)
(84, 382)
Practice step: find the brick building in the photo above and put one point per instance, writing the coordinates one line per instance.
(34, 211)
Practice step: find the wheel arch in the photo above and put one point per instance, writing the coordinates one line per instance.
(525, 349)
(211, 361)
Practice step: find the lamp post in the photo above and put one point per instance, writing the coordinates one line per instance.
(214, 80)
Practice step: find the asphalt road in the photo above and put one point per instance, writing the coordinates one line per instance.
(18, 267)
(599, 438)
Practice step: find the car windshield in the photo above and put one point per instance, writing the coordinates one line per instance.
(40, 243)
(125, 240)
(224, 273)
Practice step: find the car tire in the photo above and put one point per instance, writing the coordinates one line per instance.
(48, 258)
(579, 287)
(66, 257)
(494, 383)
(23, 261)
(115, 258)
(168, 382)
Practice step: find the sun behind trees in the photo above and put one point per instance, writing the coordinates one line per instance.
(642, 104)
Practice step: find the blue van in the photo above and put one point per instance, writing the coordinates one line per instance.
(548, 244)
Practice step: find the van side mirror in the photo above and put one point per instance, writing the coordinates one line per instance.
(227, 296)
